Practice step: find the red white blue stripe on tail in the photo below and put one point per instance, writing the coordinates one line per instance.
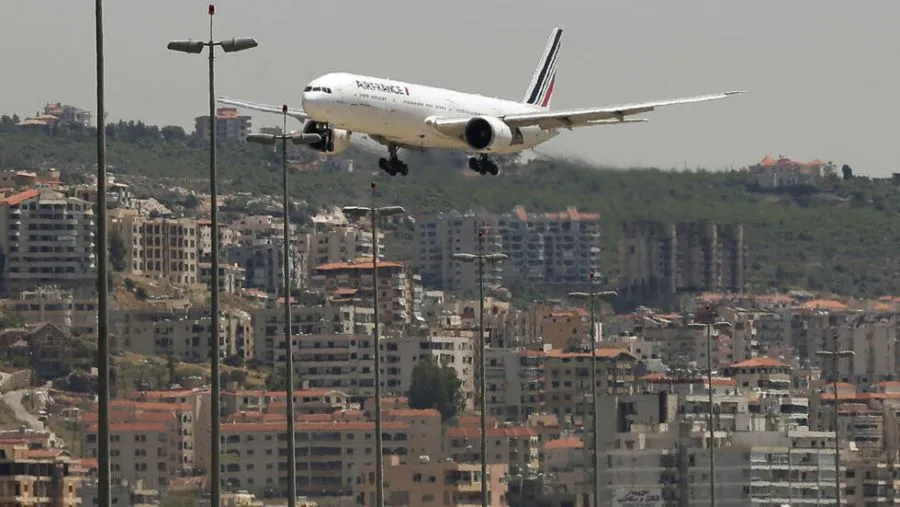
(541, 88)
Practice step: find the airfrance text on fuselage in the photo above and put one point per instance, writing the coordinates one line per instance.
(368, 85)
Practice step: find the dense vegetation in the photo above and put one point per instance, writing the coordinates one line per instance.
(839, 238)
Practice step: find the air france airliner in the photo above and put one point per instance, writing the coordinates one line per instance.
(414, 117)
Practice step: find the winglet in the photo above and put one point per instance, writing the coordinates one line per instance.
(737, 92)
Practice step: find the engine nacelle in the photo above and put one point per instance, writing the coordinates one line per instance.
(340, 139)
(487, 133)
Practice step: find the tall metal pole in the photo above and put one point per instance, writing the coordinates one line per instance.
(215, 473)
(379, 451)
(836, 355)
(481, 367)
(712, 434)
(103, 460)
(594, 400)
(289, 348)
(837, 430)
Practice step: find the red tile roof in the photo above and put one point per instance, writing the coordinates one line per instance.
(16, 199)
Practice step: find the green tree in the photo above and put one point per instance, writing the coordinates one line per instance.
(117, 250)
(277, 380)
(436, 386)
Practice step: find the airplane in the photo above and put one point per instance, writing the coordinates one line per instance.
(415, 117)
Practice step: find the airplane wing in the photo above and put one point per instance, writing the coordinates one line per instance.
(570, 118)
(296, 113)
(599, 115)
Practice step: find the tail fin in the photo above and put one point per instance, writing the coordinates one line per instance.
(541, 88)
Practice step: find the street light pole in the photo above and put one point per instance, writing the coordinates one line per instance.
(604, 296)
(722, 325)
(374, 212)
(103, 459)
(836, 355)
(196, 47)
(270, 139)
(482, 259)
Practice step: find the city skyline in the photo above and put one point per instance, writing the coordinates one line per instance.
(701, 47)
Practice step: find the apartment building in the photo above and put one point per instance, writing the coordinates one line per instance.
(401, 354)
(37, 477)
(399, 290)
(182, 334)
(567, 379)
(259, 226)
(47, 238)
(140, 450)
(513, 383)
(517, 446)
(263, 261)
(230, 125)
(659, 258)
(341, 244)
(201, 422)
(427, 482)
(164, 248)
(824, 325)
(307, 401)
(57, 306)
(565, 329)
(179, 417)
(330, 455)
(306, 322)
(438, 238)
(556, 251)
(752, 468)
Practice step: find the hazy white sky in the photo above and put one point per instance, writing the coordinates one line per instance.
(822, 74)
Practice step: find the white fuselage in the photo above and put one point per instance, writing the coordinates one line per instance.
(396, 111)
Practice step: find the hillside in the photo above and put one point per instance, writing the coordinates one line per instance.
(841, 238)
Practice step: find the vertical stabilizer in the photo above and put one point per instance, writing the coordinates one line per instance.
(541, 88)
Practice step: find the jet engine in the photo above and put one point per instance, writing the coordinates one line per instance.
(487, 133)
(334, 141)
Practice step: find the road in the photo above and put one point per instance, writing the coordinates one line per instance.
(13, 400)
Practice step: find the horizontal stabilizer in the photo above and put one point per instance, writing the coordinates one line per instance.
(292, 112)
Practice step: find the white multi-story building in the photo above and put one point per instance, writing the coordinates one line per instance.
(263, 261)
(438, 238)
(230, 125)
(161, 247)
(401, 354)
(751, 468)
(47, 238)
(341, 244)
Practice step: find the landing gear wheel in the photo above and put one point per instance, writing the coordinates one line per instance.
(393, 165)
(483, 165)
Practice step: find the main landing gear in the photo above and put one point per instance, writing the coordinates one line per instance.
(393, 165)
(483, 165)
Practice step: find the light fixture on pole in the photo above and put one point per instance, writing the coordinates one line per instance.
(608, 296)
(374, 212)
(270, 139)
(196, 47)
(104, 495)
(482, 258)
(721, 326)
(836, 355)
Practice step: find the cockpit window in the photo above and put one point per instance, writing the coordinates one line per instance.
(308, 89)
(317, 89)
